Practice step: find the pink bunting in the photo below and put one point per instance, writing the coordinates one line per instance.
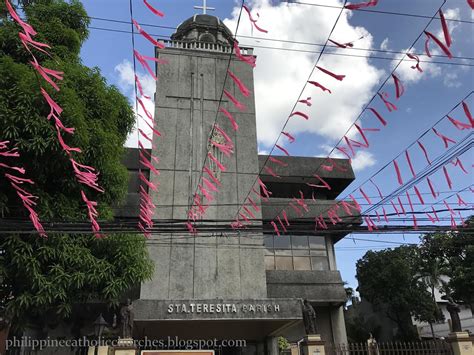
(152, 9)
(378, 115)
(324, 185)
(277, 161)
(424, 152)
(318, 85)
(263, 188)
(448, 179)
(446, 140)
(461, 202)
(397, 170)
(306, 101)
(335, 76)
(234, 124)
(86, 175)
(343, 150)
(144, 135)
(252, 20)
(341, 45)
(401, 205)
(320, 222)
(415, 57)
(399, 88)
(140, 88)
(63, 145)
(209, 184)
(361, 5)
(378, 189)
(289, 136)
(46, 73)
(333, 165)
(205, 193)
(271, 172)
(92, 213)
(27, 41)
(253, 204)
(356, 204)
(236, 102)
(285, 217)
(224, 148)
(458, 124)
(281, 224)
(243, 89)
(444, 25)
(427, 47)
(144, 63)
(248, 59)
(296, 208)
(458, 162)
(448, 207)
(282, 149)
(26, 27)
(214, 159)
(407, 155)
(299, 113)
(471, 3)
(418, 194)
(211, 176)
(439, 43)
(432, 189)
(153, 129)
(147, 36)
(148, 114)
(249, 212)
(370, 223)
(275, 228)
(468, 113)
(390, 106)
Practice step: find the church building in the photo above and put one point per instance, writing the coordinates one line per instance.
(238, 284)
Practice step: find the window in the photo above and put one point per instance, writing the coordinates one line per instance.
(296, 252)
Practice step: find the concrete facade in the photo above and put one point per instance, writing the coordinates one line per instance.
(260, 277)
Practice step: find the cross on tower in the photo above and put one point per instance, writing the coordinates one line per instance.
(204, 7)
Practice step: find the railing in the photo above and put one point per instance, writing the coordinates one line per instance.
(205, 46)
(395, 348)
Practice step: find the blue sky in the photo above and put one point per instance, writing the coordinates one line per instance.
(427, 98)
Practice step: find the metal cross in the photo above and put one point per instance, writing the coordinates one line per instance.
(204, 7)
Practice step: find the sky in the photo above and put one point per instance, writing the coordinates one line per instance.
(281, 74)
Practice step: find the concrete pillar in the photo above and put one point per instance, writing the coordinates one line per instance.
(338, 325)
(272, 346)
(313, 345)
(461, 343)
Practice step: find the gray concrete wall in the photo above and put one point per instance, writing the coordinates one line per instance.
(188, 93)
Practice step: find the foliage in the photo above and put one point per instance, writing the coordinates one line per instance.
(451, 254)
(388, 279)
(283, 343)
(49, 275)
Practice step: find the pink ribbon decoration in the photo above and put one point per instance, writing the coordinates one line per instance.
(252, 20)
(86, 175)
(147, 163)
(236, 102)
(318, 85)
(275, 228)
(448, 179)
(448, 207)
(407, 155)
(365, 196)
(424, 152)
(145, 152)
(397, 170)
(468, 113)
(320, 222)
(415, 57)
(306, 101)
(143, 61)
(224, 148)
(205, 193)
(458, 124)
(92, 213)
(378, 189)
(348, 207)
(211, 176)
(361, 5)
(144, 135)
(282, 149)
(153, 129)
(27, 41)
(341, 45)
(217, 162)
(46, 73)
(248, 59)
(253, 204)
(444, 25)
(401, 205)
(300, 201)
(458, 162)
(140, 88)
(147, 36)
(344, 151)
(399, 88)
(439, 43)
(356, 204)
(152, 9)
(333, 165)
(335, 76)
(378, 115)
(324, 185)
(209, 184)
(249, 212)
(289, 136)
(461, 202)
(277, 161)
(418, 194)
(296, 209)
(264, 188)
(446, 140)
(395, 208)
(64, 146)
(301, 114)
(234, 124)
(271, 172)
(147, 113)
(471, 3)
(427, 47)
(432, 189)
(285, 217)
(281, 224)
(370, 223)
(243, 89)
(390, 106)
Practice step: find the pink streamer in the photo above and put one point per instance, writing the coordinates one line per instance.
(432, 189)
(448, 179)
(390, 106)
(439, 43)
(446, 140)
(361, 5)
(152, 9)
(424, 152)
(301, 114)
(378, 115)
(468, 113)
(397, 170)
(289, 136)
(306, 101)
(399, 88)
(236, 102)
(415, 57)
(318, 85)
(407, 155)
(277, 161)
(444, 25)
(282, 149)
(234, 124)
(92, 213)
(243, 89)
(147, 36)
(248, 59)
(335, 76)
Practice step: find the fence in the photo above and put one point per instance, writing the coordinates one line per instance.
(395, 348)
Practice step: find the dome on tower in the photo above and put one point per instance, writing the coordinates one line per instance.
(203, 28)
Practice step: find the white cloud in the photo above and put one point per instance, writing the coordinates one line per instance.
(280, 75)
(362, 159)
(384, 45)
(451, 80)
(126, 81)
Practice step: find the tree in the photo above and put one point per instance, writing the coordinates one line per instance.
(47, 276)
(389, 280)
(451, 254)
